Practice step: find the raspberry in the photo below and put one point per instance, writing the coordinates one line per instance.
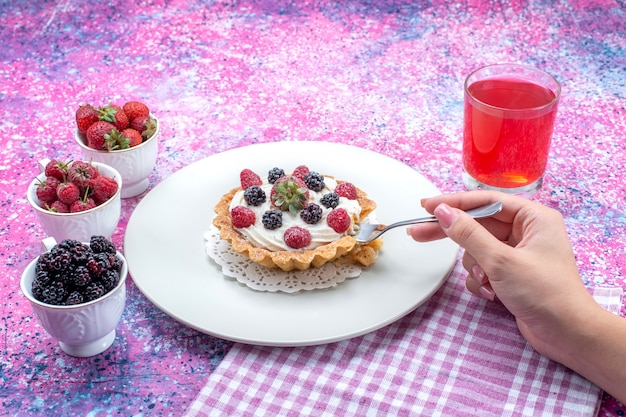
(339, 220)
(58, 207)
(330, 200)
(242, 217)
(300, 171)
(297, 237)
(56, 169)
(254, 195)
(82, 173)
(68, 192)
(346, 190)
(314, 181)
(274, 174)
(272, 219)
(82, 205)
(47, 190)
(311, 213)
(248, 178)
(103, 188)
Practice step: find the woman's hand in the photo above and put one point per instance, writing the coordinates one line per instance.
(523, 258)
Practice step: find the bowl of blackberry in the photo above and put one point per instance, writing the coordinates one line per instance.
(78, 292)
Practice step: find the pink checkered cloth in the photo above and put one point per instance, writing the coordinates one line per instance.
(455, 355)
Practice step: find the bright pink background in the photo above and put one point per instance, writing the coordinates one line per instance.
(382, 75)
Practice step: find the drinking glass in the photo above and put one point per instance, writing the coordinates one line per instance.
(509, 117)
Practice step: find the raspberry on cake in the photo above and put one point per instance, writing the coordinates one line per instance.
(295, 221)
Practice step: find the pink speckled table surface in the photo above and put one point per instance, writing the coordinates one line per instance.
(381, 75)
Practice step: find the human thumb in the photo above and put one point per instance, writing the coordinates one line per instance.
(468, 233)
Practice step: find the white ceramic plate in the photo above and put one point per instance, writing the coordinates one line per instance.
(164, 247)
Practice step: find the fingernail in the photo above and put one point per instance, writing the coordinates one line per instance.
(478, 273)
(487, 292)
(445, 214)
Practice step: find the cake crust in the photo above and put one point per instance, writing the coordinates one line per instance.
(364, 254)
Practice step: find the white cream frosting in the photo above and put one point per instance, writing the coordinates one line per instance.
(321, 233)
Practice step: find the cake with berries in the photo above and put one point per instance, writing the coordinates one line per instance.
(295, 221)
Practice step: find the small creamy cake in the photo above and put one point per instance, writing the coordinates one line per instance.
(293, 221)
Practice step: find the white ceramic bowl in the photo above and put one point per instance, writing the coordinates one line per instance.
(101, 220)
(85, 329)
(134, 164)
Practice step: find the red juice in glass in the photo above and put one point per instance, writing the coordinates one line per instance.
(508, 122)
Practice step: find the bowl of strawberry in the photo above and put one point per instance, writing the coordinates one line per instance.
(77, 199)
(124, 137)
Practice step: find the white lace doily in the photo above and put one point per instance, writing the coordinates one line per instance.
(260, 278)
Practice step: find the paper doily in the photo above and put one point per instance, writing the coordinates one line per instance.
(260, 278)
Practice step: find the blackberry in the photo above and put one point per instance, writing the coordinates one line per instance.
(54, 293)
(37, 289)
(94, 291)
(97, 263)
(314, 181)
(61, 261)
(81, 276)
(100, 244)
(272, 219)
(311, 213)
(330, 200)
(80, 254)
(67, 245)
(74, 298)
(109, 279)
(274, 174)
(44, 263)
(254, 195)
(42, 276)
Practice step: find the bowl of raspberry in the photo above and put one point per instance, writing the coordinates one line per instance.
(78, 292)
(77, 199)
(124, 137)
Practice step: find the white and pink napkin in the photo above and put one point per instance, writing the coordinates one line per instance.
(456, 355)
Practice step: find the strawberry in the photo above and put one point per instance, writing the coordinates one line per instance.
(248, 178)
(145, 125)
(86, 115)
(347, 190)
(297, 237)
(58, 207)
(47, 190)
(289, 194)
(300, 172)
(114, 114)
(133, 136)
(339, 220)
(57, 169)
(82, 205)
(82, 173)
(96, 135)
(68, 192)
(135, 109)
(103, 188)
(242, 217)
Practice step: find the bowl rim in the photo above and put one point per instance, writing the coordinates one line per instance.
(28, 293)
(81, 139)
(42, 176)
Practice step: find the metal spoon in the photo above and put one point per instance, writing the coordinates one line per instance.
(369, 232)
